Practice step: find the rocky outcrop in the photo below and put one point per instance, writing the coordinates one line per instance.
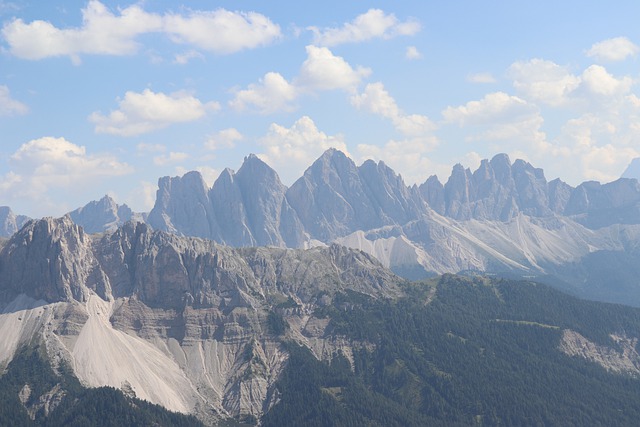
(624, 359)
(103, 215)
(597, 205)
(51, 260)
(334, 197)
(497, 191)
(10, 222)
(247, 208)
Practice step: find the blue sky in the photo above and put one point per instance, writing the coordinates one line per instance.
(105, 97)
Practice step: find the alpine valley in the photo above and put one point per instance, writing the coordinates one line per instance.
(349, 298)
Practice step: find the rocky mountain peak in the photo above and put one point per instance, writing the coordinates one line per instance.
(52, 260)
(182, 205)
(10, 222)
(102, 215)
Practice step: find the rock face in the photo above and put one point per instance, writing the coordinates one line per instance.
(51, 260)
(334, 197)
(597, 205)
(497, 191)
(10, 222)
(103, 215)
(502, 217)
(247, 208)
(180, 321)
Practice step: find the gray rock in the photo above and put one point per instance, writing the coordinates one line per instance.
(52, 260)
(10, 222)
(597, 205)
(103, 215)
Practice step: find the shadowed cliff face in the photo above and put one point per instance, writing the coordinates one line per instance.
(52, 260)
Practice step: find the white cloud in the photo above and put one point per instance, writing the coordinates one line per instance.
(543, 81)
(412, 52)
(481, 78)
(9, 106)
(272, 93)
(377, 100)
(171, 157)
(226, 138)
(410, 157)
(600, 82)
(370, 25)
(615, 49)
(49, 164)
(222, 31)
(494, 107)
(184, 58)
(596, 148)
(143, 197)
(291, 150)
(102, 33)
(322, 70)
(144, 112)
(105, 33)
(503, 122)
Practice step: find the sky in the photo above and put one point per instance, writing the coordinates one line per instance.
(105, 97)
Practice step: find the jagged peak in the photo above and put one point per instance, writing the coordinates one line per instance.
(255, 165)
(501, 159)
(227, 175)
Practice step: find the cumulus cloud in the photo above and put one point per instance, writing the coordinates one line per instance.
(597, 147)
(291, 150)
(8, 105)
(543, 81)
(144, 112)
(494, 107)
(49, 164)
(272, 93)
(409, 156)
(598, 81)
(615, 49)
(222, 31)
(500, 118)
(105, 33)
(412, 52)
(321, 71)
(377, 100)
(225, 138)
(142, 198)
(101, 33)
(372, 24)
(184, 58)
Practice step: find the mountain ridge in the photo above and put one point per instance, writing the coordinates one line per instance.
(502, 218)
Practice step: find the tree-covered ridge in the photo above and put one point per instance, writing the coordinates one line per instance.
(481, 352)
(77, 406)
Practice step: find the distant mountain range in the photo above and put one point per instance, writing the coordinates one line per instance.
(502, 218)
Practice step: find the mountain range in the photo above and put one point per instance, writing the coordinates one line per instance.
(288, 337)
(503, 218)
